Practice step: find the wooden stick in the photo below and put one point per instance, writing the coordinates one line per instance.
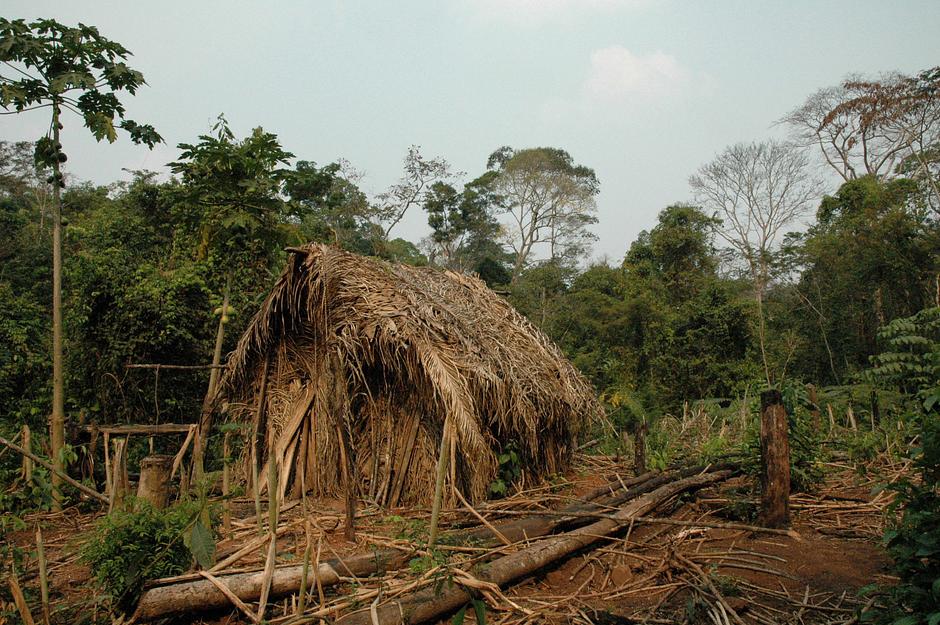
(161, 428)
(226, 484)
(68, 480)
(19, 599)
(225, 590)
(26, 440)
(439, 483)
(43, 575)
(482, 520)
(158, 366)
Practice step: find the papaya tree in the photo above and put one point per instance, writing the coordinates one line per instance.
(64, 69)
(235, 186)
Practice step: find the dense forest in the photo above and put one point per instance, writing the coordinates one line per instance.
(726, 291)
(808, 261)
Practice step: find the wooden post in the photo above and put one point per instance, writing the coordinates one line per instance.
(345, 459)
(850, 415)
(119, 481)
(26, 442)
(775, 461)
(154, 485)
(439, 483)
(226, 483)
(875, 410)
(639, 447)
(814, 410)
(43, 575)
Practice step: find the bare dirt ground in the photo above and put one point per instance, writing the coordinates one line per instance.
(650, 572)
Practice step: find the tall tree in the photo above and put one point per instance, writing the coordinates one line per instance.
(756, 190)
(332, 208)
(463, 227)
(869, 127)
(549, 200)
(47, 65)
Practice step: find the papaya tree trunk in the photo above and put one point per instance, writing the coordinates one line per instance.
(57, 418)
(205, 418)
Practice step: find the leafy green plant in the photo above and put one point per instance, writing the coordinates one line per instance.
(510, 469)
(139, 542)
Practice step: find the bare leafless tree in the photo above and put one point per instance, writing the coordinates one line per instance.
(756, 190)
(410, 190)
(870, 127)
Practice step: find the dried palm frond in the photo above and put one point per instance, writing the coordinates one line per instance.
(386, 352)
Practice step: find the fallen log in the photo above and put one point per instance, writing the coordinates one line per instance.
(197, 595)
(433, 604)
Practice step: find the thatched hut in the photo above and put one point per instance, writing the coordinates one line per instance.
(353, 355)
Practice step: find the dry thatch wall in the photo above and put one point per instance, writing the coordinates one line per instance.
(385, 353)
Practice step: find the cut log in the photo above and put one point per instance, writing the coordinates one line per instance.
(199, 595)
(431, 605)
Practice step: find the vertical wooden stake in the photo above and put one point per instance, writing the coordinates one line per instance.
(814, 399)
(832, 418)
(18, 599)
(639, 447)
(226, 483)
(875, 410)
(119, 481)
(345, 459)
(850, 415)
(43, 575)
(26, 442)
(253, 442)
(775, 460)
(439, 483)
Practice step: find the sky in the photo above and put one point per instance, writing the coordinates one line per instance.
(642, 91)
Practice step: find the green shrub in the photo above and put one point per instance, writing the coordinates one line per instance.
(130, 546)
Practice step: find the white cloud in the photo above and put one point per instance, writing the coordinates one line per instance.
(617, 75)
(528, 11)
(617, 81)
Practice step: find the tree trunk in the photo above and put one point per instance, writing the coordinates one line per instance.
(430, 605)
(775, 461)
(201, 595)
(57, 419)
(205, 418)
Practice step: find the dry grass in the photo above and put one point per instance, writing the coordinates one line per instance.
(387, 353)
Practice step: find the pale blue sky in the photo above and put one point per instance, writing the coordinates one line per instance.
(643, 91)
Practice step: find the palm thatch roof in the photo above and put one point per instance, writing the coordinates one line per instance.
(379, 355)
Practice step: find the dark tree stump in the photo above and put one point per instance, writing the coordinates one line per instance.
(639, 448)
(775, 461)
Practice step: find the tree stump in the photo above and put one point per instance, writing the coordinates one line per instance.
(775, 461)
(639, 447)
(154, 485)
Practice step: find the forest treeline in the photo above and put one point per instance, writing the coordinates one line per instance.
(727, 291)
